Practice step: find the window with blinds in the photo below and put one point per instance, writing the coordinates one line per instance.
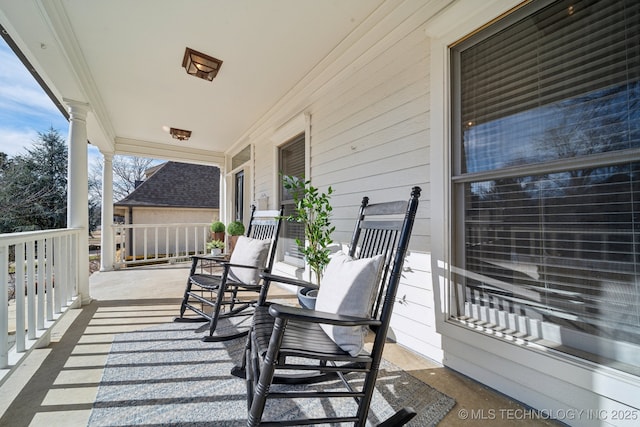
(546, 178)
(292, 163)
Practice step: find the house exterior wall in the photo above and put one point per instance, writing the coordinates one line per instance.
(173, 215)
(380, 128)
(368, 134)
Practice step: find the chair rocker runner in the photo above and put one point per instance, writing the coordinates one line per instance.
(358, 291)
(235, 289)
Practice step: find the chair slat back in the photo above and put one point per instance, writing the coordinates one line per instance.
(377, 231)
(263, 225)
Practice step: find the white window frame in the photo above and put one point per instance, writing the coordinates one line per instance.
(501, 364)
(247, 168)
(297, 125)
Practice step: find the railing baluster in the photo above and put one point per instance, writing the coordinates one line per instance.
(19, 294)
(117, 242)
(31, 292)
(144, 242)
(68, 274)
(177, 248)
(49, 279)
(166, 243)
(155, 240)
(57, 272)
(72, 288)
(195, 240)
(133, 244)
(4, 309)
(64, 268)
(186, 241)
(41, 287)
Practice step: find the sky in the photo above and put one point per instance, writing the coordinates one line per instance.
(25, 109)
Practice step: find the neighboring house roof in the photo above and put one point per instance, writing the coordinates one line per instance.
(174, 184)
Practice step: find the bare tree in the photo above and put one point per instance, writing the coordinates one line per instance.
(127, 172)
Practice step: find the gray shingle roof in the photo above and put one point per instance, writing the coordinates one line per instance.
(178, 185)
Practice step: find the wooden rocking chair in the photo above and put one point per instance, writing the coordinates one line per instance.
(237, 285)
(358, 291)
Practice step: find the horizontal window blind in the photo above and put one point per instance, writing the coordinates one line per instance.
(569, 242)
(569, 69)
(551, 256)
(292, 163)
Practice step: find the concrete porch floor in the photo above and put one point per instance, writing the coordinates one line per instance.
(57, 385)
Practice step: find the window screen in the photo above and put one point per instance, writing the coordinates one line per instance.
(546, 184)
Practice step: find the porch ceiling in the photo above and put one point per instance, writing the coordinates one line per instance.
(124, 58)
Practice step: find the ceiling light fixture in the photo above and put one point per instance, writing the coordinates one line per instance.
(200, 65)
(180, 134)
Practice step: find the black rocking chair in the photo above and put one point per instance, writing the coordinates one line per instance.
(234, 289)
(284, 339)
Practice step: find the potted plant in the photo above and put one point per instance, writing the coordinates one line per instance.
(313, 209)
(234, 229)
(215, 246)
(217, 230)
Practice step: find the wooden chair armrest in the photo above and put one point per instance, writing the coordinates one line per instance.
(195, 259)
(314, 316)
(229, 265)
(288, 280)
(207, 257)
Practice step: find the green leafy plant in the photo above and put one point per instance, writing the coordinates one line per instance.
(235, 228)
(313, 209)
(215, 244)
(217, 227)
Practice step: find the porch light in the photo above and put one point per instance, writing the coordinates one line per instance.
(200, 65)
(180, 134)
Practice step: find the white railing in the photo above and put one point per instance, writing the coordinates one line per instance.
(149, 243)
(39, 277)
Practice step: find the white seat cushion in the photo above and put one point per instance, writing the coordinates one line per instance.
(250, 252)
(347, 287)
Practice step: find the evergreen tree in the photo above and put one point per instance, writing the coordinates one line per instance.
(33, 190)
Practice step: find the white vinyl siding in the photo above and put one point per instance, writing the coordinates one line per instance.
(372, 139)
(369, 137)
(366, 139)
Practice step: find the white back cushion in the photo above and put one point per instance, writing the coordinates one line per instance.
(250, 252)
(347, 287)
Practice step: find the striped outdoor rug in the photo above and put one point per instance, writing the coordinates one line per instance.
(165, 376)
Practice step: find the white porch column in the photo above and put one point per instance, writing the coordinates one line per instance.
(223, 200)
(78, 190)
(107, 250)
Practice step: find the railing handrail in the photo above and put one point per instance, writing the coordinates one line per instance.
(169, 224)
(8, 239)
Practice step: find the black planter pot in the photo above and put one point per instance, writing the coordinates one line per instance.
(307, 297)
